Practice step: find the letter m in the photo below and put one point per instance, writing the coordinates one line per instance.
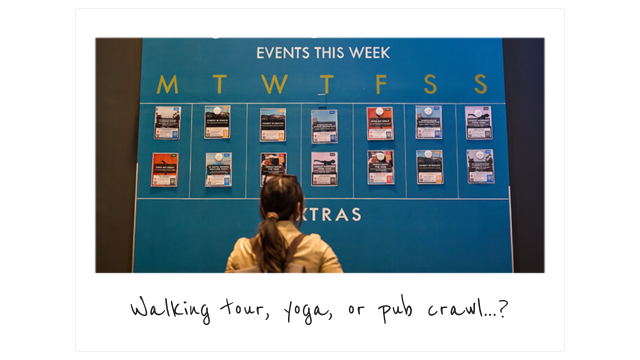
(167, 87)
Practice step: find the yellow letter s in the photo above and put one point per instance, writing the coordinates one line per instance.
(484, 87)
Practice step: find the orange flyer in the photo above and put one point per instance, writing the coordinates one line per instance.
(379, 123)
(164, 171)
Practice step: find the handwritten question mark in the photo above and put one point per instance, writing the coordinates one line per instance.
(505, 305)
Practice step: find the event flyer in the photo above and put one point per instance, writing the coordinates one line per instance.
(480, 166)
(379, 123)
(478, 122)
(218, 169)
(380, 167)
(273, 124)
(217, 122)
(167, 124)
(430, 167)
(272, 164)
(324, 169)
(164, 171)
(324, 126)
(428, 122)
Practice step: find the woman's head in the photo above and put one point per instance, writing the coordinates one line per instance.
(281, 198)
(282, 195)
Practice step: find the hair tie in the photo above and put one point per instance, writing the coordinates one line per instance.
(272, 215)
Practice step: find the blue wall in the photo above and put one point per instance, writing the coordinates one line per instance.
(454, 227)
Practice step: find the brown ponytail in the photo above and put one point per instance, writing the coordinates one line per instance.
(280, 195)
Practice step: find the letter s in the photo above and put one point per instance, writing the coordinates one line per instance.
(355, 212)
(430, 83)
(484, 87)
(426, 79)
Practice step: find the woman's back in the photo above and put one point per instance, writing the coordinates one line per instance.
(315, 254)
(281, 203)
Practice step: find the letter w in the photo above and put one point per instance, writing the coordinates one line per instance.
(136, 311)
(274, 79)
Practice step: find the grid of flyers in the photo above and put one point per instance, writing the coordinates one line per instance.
(324, 128)
(478, 126)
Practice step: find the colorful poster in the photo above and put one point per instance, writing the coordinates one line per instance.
(428, 122)
(217, 122)
(324, 169)
(273, 124)
(478, 122)
(379, 123)
(430, 167)
(218, 169)
(324, 126)
(164, 171)
(380, 168)
(167, 123)
(480, 166)
(272, 164)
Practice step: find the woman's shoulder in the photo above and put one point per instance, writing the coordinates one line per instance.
(318, 249)
(242, 255)
(312, 237)
(243, 245)
(315, 241)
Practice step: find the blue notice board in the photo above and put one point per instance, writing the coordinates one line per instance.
(452, 226)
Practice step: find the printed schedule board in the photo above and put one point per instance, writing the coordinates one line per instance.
(379, 216)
